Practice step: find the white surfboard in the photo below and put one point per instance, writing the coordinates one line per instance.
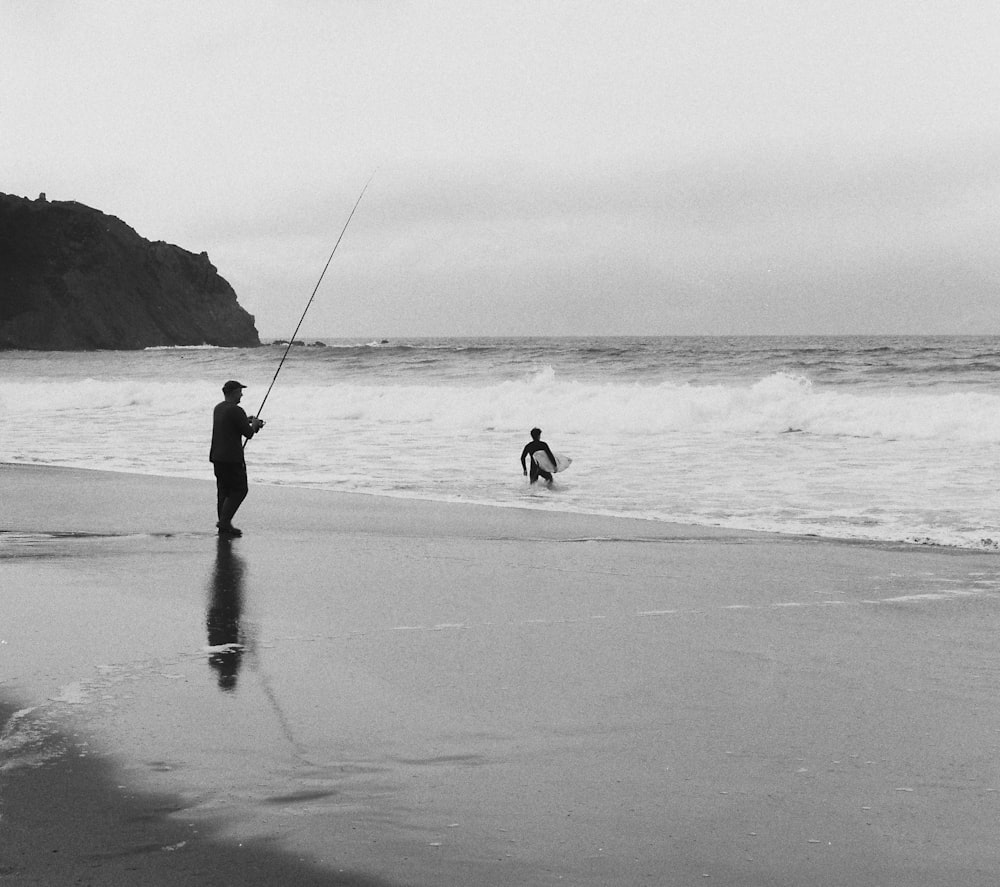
(545, 463)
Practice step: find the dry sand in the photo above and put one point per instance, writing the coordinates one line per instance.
(430, 694)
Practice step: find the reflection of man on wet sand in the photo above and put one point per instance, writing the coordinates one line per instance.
(225, 638)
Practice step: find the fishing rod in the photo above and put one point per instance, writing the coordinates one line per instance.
(288, 347)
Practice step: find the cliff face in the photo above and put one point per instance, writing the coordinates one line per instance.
(73, 278)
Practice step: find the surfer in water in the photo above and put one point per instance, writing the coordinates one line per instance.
(229, 426)
(536, 445)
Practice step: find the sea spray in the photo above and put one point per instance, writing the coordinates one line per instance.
(856, 438)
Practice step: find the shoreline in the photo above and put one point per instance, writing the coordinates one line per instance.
(673, 529)
(371, 691)
(891, 444)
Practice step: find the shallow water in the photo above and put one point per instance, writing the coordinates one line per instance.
(890, 438)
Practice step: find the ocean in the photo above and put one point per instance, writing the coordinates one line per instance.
(894, 439)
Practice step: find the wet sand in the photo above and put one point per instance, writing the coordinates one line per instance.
(368, 691)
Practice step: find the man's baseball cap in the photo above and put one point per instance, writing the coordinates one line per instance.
(232, 385)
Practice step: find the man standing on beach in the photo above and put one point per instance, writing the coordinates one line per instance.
(229, 426)
(535, 445)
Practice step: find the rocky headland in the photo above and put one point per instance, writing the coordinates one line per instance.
(74, 278)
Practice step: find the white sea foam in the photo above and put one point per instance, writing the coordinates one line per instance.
(891, 458)
(72, 694)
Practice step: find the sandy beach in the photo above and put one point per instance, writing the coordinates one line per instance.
(375, 691)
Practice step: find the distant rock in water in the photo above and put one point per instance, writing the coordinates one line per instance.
(73, 278)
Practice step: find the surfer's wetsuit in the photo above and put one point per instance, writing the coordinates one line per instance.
(529, 450)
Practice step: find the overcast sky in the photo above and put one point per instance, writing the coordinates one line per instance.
(578, 167)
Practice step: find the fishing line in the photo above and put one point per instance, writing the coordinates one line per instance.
(291, 340)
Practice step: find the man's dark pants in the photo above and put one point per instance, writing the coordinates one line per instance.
(231, 489)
